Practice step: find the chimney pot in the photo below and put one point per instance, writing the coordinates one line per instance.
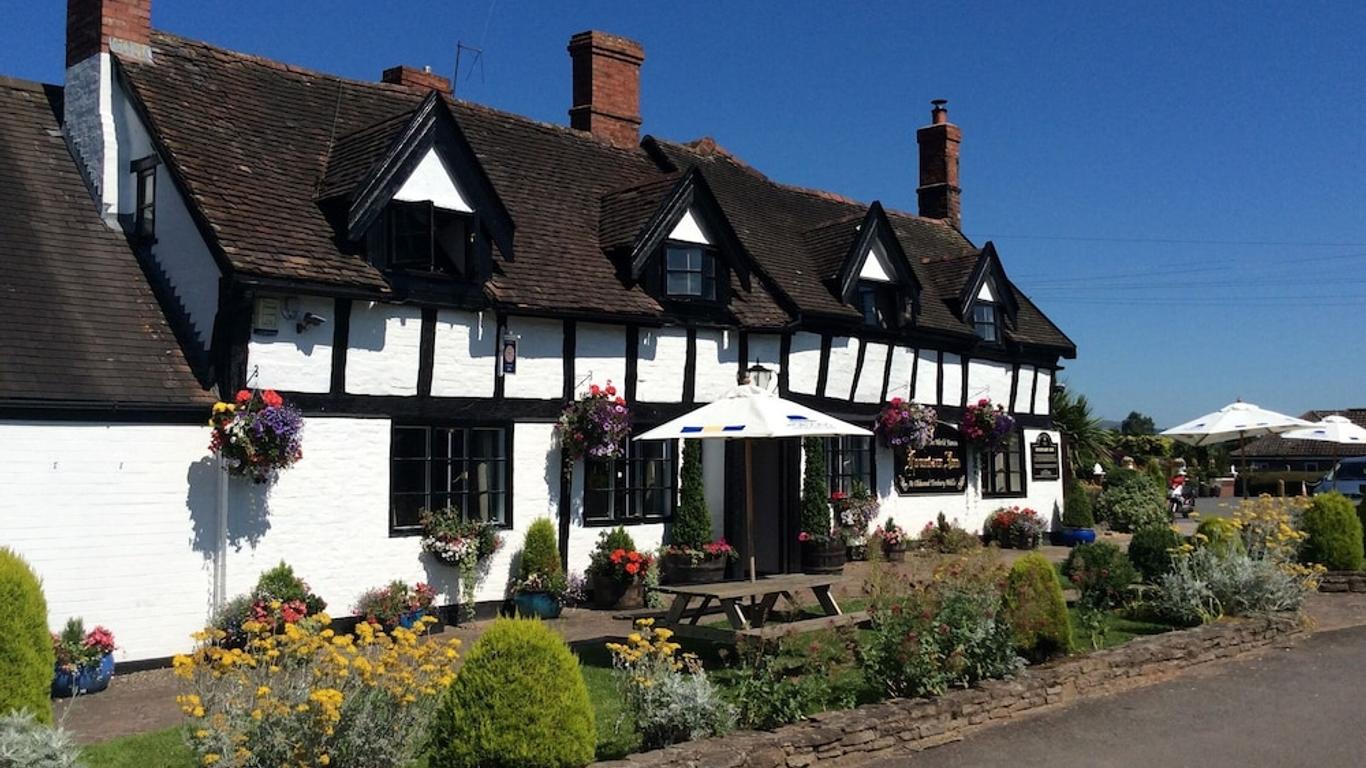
(939, 193)
(417, 78)
(606, 86)
(939, 113)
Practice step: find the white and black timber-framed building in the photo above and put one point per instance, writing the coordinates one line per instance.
(184, 220)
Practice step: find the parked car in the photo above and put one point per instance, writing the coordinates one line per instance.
(1347, 477)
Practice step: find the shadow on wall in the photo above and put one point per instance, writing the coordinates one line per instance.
(445, 579)
(368, 333)
(248, 509)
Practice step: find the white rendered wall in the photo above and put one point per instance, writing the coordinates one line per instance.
(875, 265)
(926, 377)
(1024, 391)
(384, 352)
(953, 380)
(718, 362)
(600, 357)
(839, 378)
(767, 349)
(870, 380)
(987, 292)
(687, 230)
(899, 377)
(535, 495)
(1043, 388)
(804, 363)
(464, 353)
(432, 181)
(661, 357)
(540, 359)
(117, 520)
(990, 380)
(291, 361)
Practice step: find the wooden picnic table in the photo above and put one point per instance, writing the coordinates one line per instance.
(747, 604)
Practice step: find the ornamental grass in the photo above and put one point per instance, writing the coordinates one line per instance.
(309, 696)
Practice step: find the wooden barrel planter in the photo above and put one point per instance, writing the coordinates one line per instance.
(895, 554)
(608, 593)
(682, 569)
(823, 556)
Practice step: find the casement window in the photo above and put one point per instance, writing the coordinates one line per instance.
(639, 487)
(423, 238)
(985, 320)
(849, 463)
(432, 467)
(1003, 472)
(145, 188)
(880, 304)
(691, 272)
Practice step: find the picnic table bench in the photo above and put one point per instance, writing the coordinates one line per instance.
(747, 605)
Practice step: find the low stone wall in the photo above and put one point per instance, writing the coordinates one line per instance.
(910, 725)
(1343, 581)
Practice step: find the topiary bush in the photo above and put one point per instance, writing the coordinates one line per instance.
(1132, 500)
(1150, 551)
(1221, 536)
(519, 701)
(1101, 572)
(540, 551)
(26, 655)
(815, 492)
(692, 522)
(1035, 609)
(1076, 506)
(1334, 533)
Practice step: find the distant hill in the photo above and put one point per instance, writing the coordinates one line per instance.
(1110, 424)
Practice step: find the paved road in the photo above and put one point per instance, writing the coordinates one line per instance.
(1296, 707)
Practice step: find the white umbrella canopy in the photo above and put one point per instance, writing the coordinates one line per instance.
(1235, 421)
(748, 412)
(1333, 429)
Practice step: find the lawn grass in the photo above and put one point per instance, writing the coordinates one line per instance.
(1119, 629)
(158, 749)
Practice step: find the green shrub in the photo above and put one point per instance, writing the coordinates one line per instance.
(1150, 551)
(519, 701)
(816, 520)
(1076, 506)
(27, 743)
(1101, 572)
(1220, 535)
(1132, 500)
(1361, 515)
(1035, 609)
(1334, 533)
(26, 655)
(780, 682)
(692, 522)
(280, 583)
(948, 538)
(540, 551)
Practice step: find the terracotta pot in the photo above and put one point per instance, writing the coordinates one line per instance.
(608, 593)
(823, 556)
(681, 569)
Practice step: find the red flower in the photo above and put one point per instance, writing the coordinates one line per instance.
(272, 398)
(243, 396)
(803, 536)
(611, 390)
(633, 568)
(594, 390)
(620, 400)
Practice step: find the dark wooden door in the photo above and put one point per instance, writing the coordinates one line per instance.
(776, 465)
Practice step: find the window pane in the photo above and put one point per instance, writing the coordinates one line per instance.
(486, 443)
(677, 284)
(406, 510)
(408, 476)
(410, 443)
(452, 242)
(410, 235)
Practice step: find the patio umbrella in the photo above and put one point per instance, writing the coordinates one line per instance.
(750, 412)
(1235, 421)
(1333, 429)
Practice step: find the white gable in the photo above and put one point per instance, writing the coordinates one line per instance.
(876, 265)
(688, 231)
(987, 293)
(431, 181)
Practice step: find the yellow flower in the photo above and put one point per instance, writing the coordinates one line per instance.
(210, 758)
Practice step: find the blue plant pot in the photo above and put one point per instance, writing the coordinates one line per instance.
(541, 605)
(1071, 537)
(84, 680)
(409, 620)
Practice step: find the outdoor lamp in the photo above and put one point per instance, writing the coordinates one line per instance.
(760, 376)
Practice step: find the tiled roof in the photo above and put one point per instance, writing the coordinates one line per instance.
(78, 321)
(1272, 446)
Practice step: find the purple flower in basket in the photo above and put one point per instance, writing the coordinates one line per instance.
(903, 424)
(986, 426)
(596, 425)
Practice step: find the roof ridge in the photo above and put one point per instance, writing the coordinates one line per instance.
(25, 84)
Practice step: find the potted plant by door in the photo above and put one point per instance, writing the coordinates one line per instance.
(853, 512)
(892, 538)
(396, 605)
(692, 557)
(1078, 523)
(85, 660)
(616, 571)
(822, 546)
(539, 587)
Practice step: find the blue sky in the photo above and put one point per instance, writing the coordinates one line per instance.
(1179, 185)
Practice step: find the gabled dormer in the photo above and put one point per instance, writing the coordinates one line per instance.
(988, 300)
(870, 272)
(411, 194)
(671, 238)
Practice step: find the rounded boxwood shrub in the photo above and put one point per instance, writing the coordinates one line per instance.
(519, 701)
(1132, 500)
(26, 657)
(1076, 507)
(1334, 533)
(540, 550)
(1036, 610)
(1221, 535)
(1150, 551)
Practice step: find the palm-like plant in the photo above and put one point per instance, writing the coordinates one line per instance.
(1084, 439)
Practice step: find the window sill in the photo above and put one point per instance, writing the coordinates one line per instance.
(627, 523)
(1018, 495)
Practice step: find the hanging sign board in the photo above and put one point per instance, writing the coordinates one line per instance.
(1043, 459)
(937, 468)
(508, 364)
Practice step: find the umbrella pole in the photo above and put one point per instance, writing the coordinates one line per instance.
(749, 505)
(1247, 479)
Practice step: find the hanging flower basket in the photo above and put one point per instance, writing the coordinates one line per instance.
(461, 544)
(595, 426)
(257, 435)
(904, 424)
(986, 426)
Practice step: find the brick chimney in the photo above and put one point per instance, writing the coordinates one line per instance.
(417, 78)
(95, 29)
(606, 86)
(939, 192)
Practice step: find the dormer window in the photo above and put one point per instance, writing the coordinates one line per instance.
(421, 237)
(880, 303)
(145, 208)
(985, 321)
(690, 272)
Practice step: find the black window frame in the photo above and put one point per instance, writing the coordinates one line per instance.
(144, 172)
(888, 303)
(627, 468)
(1012, 448)
(710, 256)
(837, 477)
(397, 529)
(994, 323)
(437, 262)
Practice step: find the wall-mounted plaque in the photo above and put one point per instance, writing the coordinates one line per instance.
(1043, 459)
(939, 467)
